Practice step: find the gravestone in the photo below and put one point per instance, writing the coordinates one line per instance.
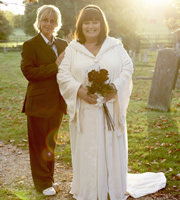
(177, 47)
(134, 58)
(164, 80)
(130, 53)
(145, 57)
(152, 48)
(178, 80)
(5, 49)
(140, 57)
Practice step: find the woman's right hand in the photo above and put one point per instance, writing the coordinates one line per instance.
(91, 99)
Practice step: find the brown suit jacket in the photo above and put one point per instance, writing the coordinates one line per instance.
(43, 98)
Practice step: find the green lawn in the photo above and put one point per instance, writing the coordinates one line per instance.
(18, 31)
(153, 135)
(15, 39)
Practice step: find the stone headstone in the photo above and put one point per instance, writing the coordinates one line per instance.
(145, 60)
(177, 47)
(134, 54)
(178, 80)
(164, 80)
(140, 57)
(130, 53)
(152, 48)
(5, 49)
(134, 58)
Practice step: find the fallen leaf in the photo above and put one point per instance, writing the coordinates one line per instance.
(163, 160)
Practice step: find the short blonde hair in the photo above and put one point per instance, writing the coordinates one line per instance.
(48, 11)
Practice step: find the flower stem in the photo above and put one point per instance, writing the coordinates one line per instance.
(109, 119)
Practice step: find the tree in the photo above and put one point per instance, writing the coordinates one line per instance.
(121, 15)
(5, 27)
(18, 21)
(173, 15)
(68, 13)
(122, 19)
(29, 18)
(64, 6)
(9, 16)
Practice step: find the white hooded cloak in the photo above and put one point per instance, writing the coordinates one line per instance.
(99, 156)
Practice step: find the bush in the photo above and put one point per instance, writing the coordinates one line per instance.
(5, 27)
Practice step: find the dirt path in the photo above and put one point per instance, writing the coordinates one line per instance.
(15, 173)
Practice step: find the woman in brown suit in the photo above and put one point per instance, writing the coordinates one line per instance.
(43, 105)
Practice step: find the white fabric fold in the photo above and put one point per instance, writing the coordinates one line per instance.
(146, 183)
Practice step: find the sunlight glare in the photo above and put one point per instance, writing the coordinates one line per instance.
(157, 2)
(16, 7)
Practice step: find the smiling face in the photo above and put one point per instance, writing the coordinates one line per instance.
(47, 26)
(91, 23)
(91, 29)
(48, 20)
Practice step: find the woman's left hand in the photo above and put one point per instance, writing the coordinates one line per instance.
(109, 97)
(60, 58)
(112, 95)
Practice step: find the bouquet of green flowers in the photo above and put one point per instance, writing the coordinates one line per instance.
(102, 87)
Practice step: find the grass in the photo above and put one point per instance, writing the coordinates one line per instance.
(15, 39)
(12, 92)
(18, 32)
(10, 44)
(20, 194)
(153, 135)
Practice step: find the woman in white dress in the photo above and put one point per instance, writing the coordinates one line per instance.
(99, 155)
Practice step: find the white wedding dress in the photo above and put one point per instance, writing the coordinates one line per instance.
(139, 185)
(100, 161)
(100, 156)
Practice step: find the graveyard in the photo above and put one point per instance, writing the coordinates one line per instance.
(153, 115)
(153, 134)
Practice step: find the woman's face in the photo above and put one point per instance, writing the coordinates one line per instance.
(47, 26)
(91, 29)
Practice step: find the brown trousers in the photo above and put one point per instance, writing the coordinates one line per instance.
(42, 135)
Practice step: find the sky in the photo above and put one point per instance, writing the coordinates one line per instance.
(15, 6)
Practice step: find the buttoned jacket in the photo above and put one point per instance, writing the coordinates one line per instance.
(43, 98)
